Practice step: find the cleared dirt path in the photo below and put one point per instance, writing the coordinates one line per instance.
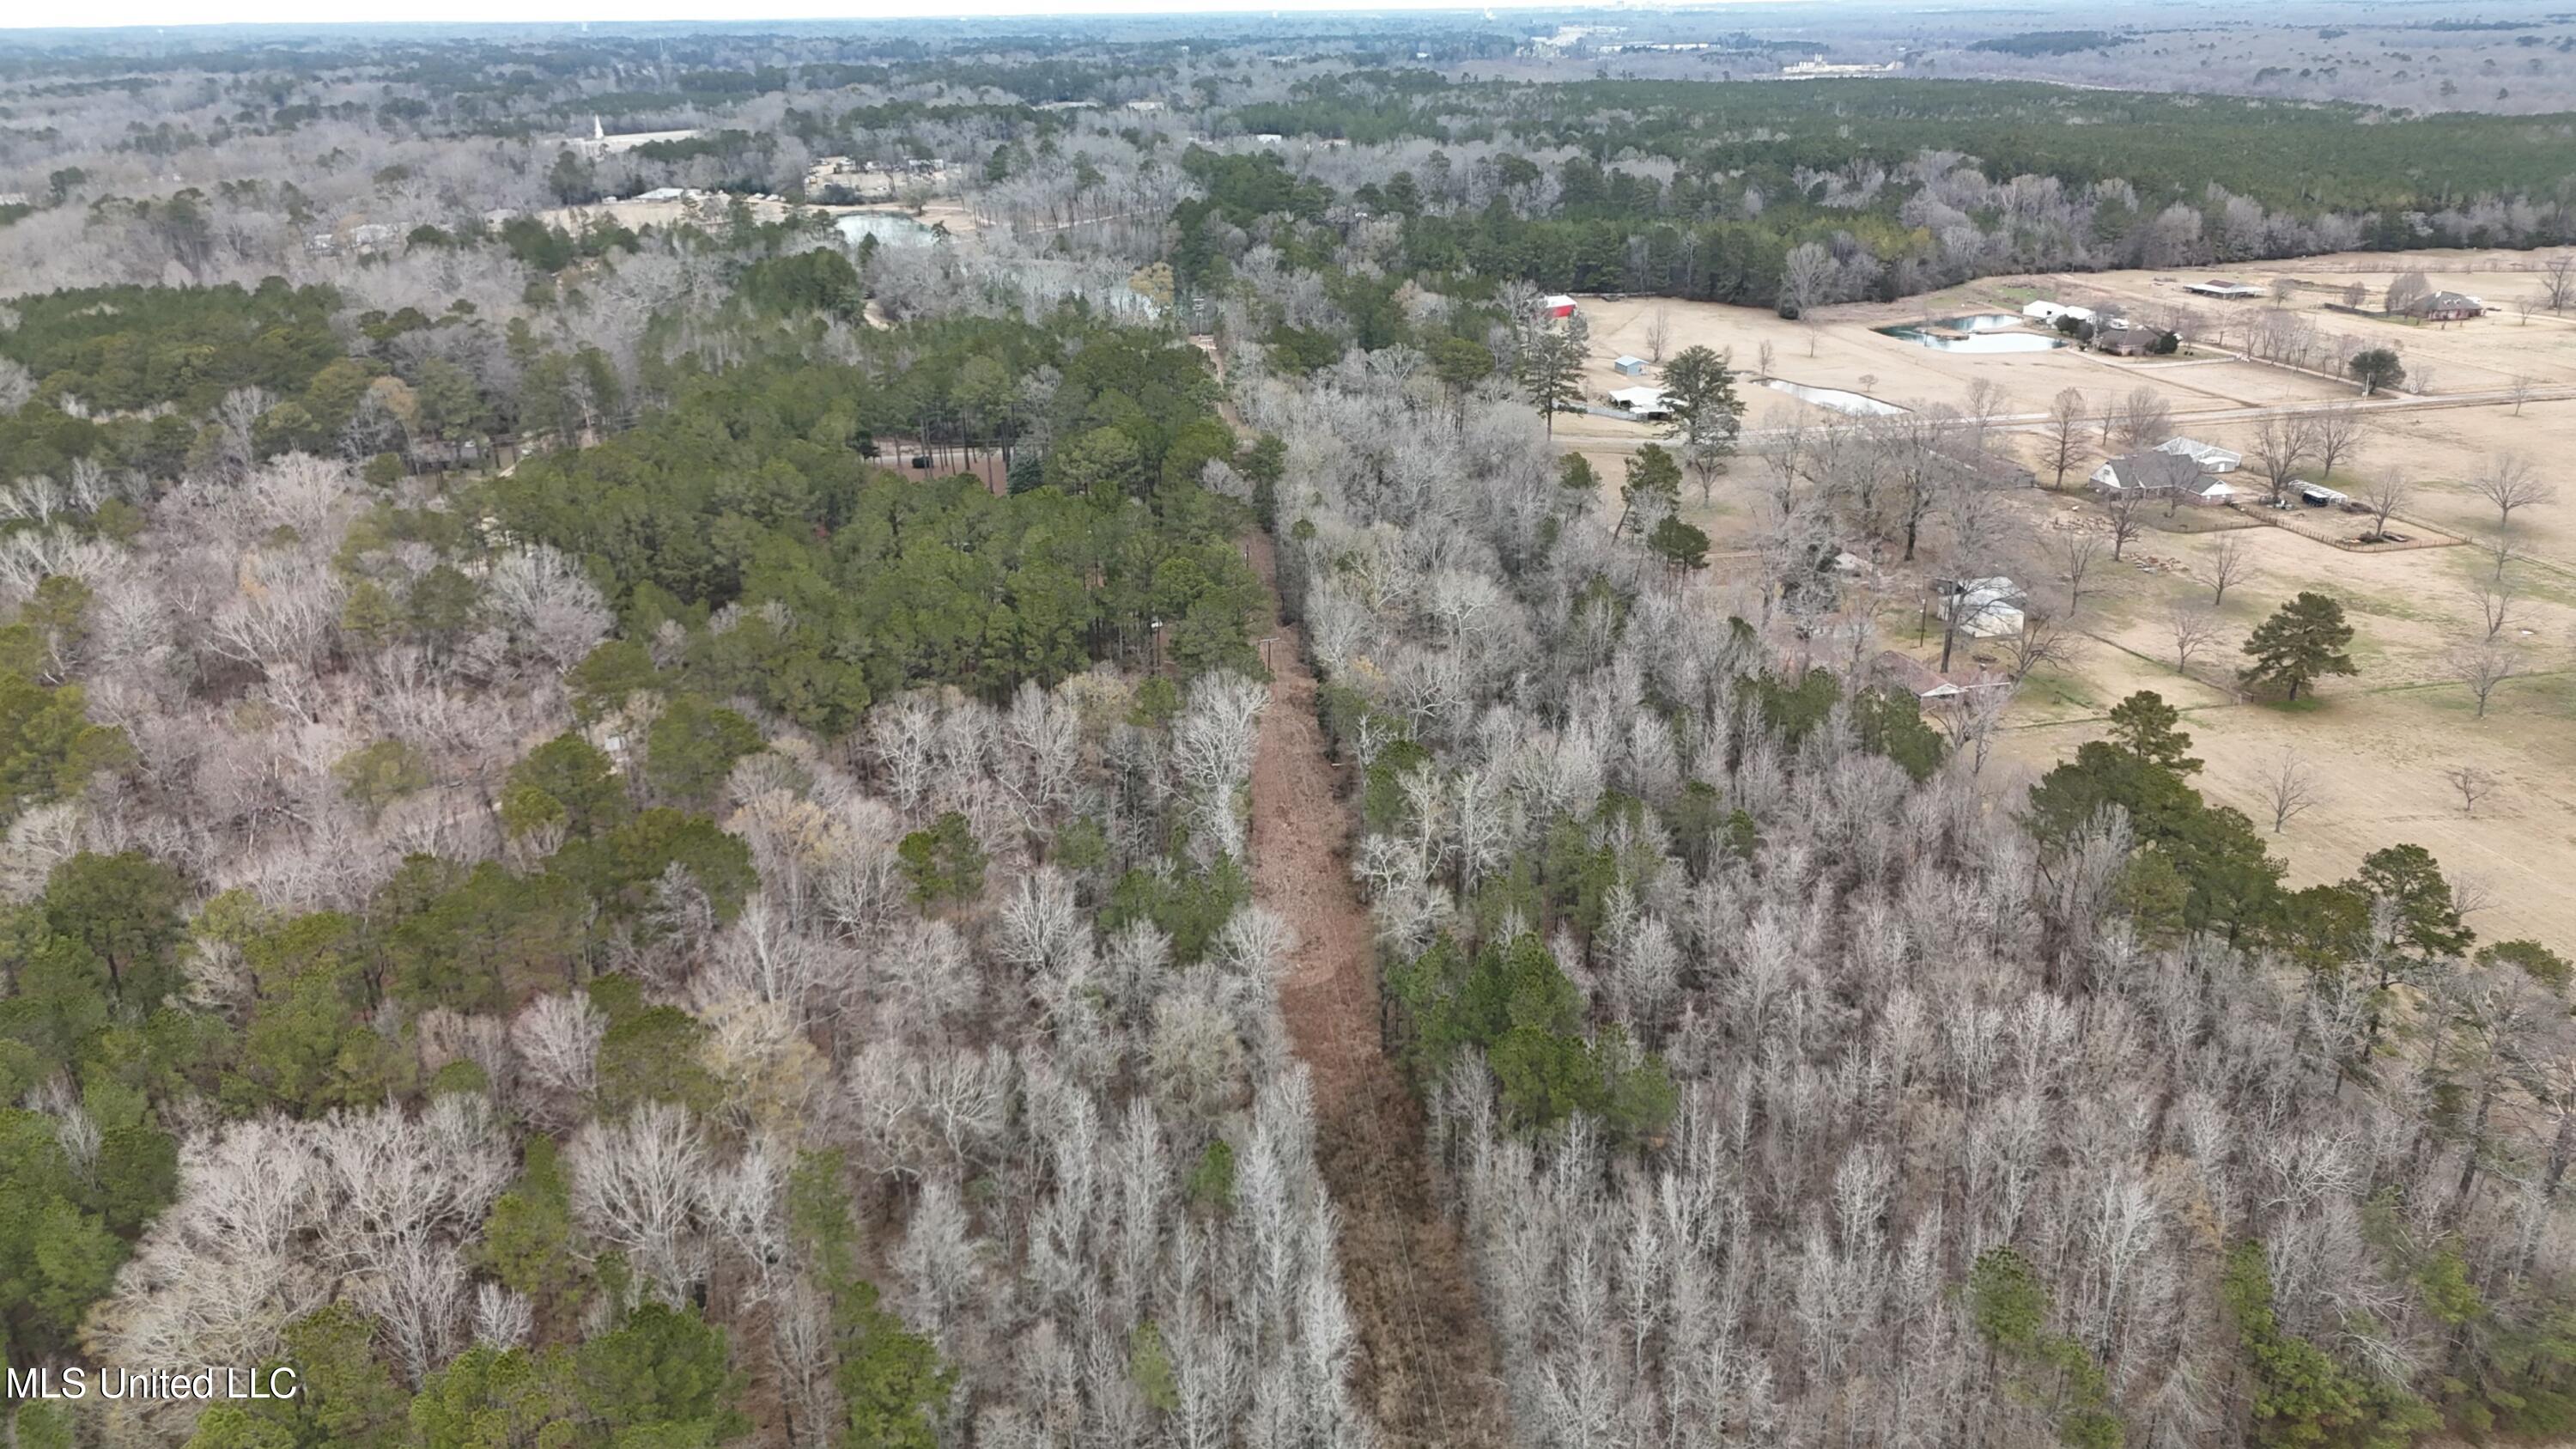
(1428, 1370)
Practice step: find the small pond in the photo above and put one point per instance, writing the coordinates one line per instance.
(1857, 404)
(890, 228)
(1977, 332)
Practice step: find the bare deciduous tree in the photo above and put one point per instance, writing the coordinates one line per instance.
(2496, 602)
(1805, 276)
(2509, 482)
(2065, 435)
(2483, 665)
(1212, 744)
(2193, 629)
(2337, 434)
(2146, 419)
(2124, 508)
(2281, 444)
(547, 605)
(2076, 555)
(2289, 787)
(1970, 719)
(2044, 639)
(2558, 281)
(1916, 448)
(2503, 551)
(557, 1041)
(2520, 390)
(2473, 783)
(1987, 402)
(1659, 332)
(2231, 558)
(2383, 496)
(236, 418)
(636, 1184)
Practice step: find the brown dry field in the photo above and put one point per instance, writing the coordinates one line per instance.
(1849, 356)
(2487, 352)
(2380, 743)
(1841, 351)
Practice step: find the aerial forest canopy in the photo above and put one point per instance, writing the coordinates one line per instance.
(1743, 1023)
(2168, 148)
(814, 578)
(122, 376)
(1700, 189)
(979, 735)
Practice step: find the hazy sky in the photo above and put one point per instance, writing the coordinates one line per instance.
(29, 13)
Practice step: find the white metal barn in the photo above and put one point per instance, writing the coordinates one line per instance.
(1987, 608)
(2211, 457)
(1645, 402)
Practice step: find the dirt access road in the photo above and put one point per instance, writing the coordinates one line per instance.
(1428, 1369)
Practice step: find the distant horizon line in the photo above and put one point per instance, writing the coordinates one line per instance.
(834, 12)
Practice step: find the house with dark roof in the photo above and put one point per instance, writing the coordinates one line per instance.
(2136, 340)
(2446, 307)
(2151, 474)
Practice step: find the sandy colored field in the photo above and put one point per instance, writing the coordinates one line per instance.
(1840, 349)
(2379, 743)
(2381, 758)
(1849, 356)
(2485, 352)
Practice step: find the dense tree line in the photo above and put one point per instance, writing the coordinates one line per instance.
(2167, 147)
(547, 955)
(1702, 190)
(684, 1076)
(788, 566)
